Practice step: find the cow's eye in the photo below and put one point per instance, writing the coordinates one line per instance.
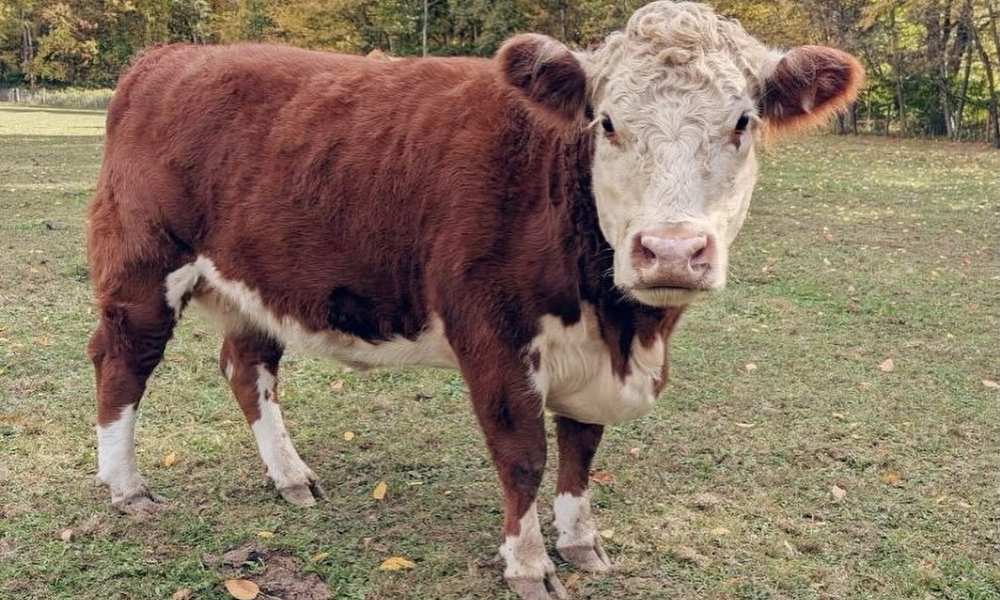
(607, 125)
(742, 123)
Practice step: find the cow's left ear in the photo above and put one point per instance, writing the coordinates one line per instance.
(809, 84)
(547, 73)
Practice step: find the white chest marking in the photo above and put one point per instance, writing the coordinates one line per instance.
(576, 378)
(236, 304)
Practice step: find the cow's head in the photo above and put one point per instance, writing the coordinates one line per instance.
(679, 101)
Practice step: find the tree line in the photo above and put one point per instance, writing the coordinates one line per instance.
(933, 65)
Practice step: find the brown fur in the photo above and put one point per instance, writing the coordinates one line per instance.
(825, 78)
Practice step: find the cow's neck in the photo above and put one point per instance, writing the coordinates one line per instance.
(621, 318)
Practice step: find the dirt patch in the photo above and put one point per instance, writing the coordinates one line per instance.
(277, 573)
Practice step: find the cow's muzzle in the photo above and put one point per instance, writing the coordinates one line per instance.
(673, 258)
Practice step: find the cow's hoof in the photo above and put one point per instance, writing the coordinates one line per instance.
(549, 588)
(587, 557)
(303, 495)
(139, 504)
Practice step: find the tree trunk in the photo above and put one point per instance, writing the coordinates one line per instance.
(960, 109)
(994, 122)
(896, 66)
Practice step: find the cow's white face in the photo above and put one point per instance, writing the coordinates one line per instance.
(679, 100)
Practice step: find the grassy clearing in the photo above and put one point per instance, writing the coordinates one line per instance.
(857, 250)
(62, 98)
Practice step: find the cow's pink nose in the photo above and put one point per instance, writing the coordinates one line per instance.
(673, 258)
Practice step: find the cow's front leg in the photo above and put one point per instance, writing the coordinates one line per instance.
(578, 542)
(510, 413)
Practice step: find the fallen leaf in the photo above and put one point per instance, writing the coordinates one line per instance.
(320, 557)
(170, 459)
(182, 594)
(396, 563)
(886, 366)
(380, 490)
(750, 367)
(602, 477)
(348, 436)
(66, 535)
(890, 478)
(265, 534)
(689, 555)
(719, 531)
(607, 533)
(572, 580)
(242, 589)
(336, 385)
(838, 492)
(991, 384)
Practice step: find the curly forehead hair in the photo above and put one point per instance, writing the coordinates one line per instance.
(691, 40)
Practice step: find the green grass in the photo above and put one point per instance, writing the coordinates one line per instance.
(856, 250)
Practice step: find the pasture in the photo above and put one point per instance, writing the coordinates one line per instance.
(830, 429)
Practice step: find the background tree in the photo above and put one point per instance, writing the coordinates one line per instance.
(933, 64)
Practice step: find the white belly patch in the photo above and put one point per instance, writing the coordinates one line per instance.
(576, 378)
(236, 305)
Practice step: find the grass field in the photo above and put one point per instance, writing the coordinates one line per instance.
(786, 459)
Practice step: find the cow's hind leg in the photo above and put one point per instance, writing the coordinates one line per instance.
(249, 360)
(135, 325)
(578, 543)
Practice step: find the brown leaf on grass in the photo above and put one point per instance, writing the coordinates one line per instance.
(66, 535)
(319, 557)
(170, 459)
(602, 477)
(182, 594)
(689, 555)
(991, 384)
(837, 492)
(706, 501)
(750, 367)
(265, 534)
(887, 365)
(380, 491)
(336, 385)
(242, 589)
(396, 563)
(890, 478)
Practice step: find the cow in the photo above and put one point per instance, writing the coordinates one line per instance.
(538, 220)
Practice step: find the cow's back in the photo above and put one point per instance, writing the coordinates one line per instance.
(321, 181)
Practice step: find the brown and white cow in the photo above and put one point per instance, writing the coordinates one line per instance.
(538, 220)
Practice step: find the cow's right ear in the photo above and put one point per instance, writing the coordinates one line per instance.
(547, 73)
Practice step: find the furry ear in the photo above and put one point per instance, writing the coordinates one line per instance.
(547, 73)
(809, 84)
